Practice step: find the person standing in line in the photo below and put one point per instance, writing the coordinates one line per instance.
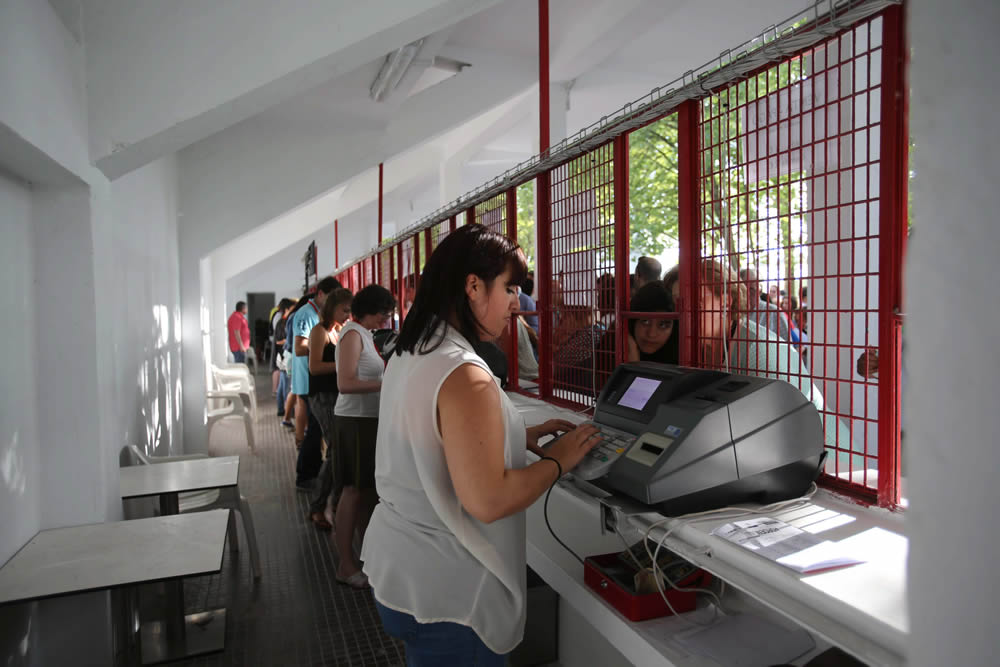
(446, 548)
(527, 304)
(647, 270)
(765, 313)
(308, 436)
(239, 333)
(323, 392)
(276, 315)
(359, 379)
(279, 353)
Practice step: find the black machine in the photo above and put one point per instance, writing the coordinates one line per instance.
(685, 439)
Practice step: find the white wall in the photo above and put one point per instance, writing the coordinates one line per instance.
(140, 284)
(951, 336)
(20, 471)
(91, 294)
(74, 470)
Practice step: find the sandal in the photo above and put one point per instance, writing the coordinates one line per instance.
(358, 581)
(319, 520)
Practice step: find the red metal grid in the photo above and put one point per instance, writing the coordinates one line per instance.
(492, 213)
(369, 272)
(581, 291)
(386, 268)
(790, 163)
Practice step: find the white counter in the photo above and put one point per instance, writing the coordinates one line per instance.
(861, 609)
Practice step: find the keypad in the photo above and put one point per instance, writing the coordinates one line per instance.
(613, 443)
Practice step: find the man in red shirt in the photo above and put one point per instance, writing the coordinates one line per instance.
(239, 333)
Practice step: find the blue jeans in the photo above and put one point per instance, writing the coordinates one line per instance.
(282, 392)
(438, 644)
(240, 357)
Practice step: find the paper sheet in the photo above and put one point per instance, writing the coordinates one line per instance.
(786, 544)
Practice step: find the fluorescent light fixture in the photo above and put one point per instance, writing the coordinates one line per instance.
(393, 69)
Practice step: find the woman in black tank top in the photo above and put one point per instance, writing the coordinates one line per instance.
(323, 391)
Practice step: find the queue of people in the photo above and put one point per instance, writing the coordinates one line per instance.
(425, 459)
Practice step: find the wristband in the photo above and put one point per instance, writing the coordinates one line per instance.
(558, 465)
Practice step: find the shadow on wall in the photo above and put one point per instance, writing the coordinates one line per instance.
(156, 418)
(12, 466)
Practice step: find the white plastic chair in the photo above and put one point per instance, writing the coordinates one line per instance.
(234, 379)
(232, 408)
(208, 499)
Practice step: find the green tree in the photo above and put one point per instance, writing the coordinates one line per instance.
(653, 186)
(526, 221)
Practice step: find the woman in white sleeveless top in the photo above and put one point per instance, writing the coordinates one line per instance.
(445, 550)
(359, 379)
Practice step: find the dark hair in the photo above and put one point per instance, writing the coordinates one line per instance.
(240, 305)
(651, 298)
(335, 298)
(328, 284)
(285, 303)
(656, 298)
(672, 276)
(605, 293)
(471, 249)
(528, 286)
(648, 269)
(372, 300)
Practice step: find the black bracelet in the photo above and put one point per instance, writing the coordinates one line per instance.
(558, 465)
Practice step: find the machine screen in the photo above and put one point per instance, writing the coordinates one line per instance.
(638, 393)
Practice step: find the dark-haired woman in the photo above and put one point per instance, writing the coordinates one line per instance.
(652, 339)
(445, 551)
(359, 379)
(323, 392)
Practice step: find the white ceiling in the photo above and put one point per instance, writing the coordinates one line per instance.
(483, 119)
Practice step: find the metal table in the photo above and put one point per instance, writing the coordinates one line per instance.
(116, 556)
(179, 635)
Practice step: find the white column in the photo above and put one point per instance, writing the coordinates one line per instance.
(951, 335)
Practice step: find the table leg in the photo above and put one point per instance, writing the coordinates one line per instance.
(179, 636)
(124, 626)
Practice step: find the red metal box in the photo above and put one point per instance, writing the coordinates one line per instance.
(639, 607)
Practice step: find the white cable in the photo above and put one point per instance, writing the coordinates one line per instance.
(699, 516)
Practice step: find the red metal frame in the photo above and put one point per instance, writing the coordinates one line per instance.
(511, 214)
(543, 227)
(688, 234)
(584, 272)
(400, 281)
(417, 239)
(802, 165)
(543, 76)
(622, 263)
(892, 223)
(493, 214)
(779, 165)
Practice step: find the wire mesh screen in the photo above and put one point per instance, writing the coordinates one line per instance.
(367, 272)
(789, 234)
(385, 268)
(439, 232)
(408, 275)
(583, 275)
(492, 213)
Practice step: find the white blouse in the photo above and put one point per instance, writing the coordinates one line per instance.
(423, 553)
(370, 367)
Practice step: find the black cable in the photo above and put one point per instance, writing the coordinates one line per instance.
(545, 510)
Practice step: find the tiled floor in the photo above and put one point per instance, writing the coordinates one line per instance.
(296, 614)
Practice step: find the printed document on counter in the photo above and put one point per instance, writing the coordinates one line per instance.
(786, 544)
